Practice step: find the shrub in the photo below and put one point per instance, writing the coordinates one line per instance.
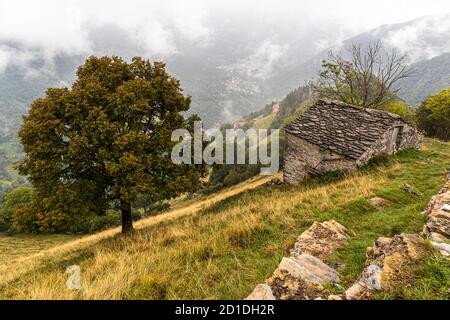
(433, 116)
(24, 218)
(400, 108)
(11, 202)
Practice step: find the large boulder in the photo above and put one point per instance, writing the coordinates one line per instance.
(321, 239)
(285, 286)
(261, 292)
(302, 277)
(377, 202)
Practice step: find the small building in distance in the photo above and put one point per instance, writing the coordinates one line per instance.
(276, 108)
(332, 135)
(239, 124)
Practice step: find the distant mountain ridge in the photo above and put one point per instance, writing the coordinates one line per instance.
(227, 83)
(430, 76)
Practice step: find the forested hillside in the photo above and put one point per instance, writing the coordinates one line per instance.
(429, 77)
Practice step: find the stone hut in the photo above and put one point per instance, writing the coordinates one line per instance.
(332, 135)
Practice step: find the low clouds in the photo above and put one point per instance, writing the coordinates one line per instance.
(160, 29)
(423, 39)
(260, 64)
(46, 28)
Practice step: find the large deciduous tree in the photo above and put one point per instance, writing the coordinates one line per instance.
(365, 77)
(106, 140)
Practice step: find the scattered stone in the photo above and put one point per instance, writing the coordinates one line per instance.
(275, 182)
(287, 287)
(444, 249)
(387, 262)
(302, 277)
(377, 202)
(437, 228)
(261, 292)
(307, 267)
(371, 278)
(303, 274)
(408, 189)
(355, 292)
(438, 223)
(437, 237)
(321, 239)
(430, 206)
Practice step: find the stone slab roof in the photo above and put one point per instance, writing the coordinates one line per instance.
(343, 128)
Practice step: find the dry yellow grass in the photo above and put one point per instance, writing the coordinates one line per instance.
(221, 246)
(264, 122)
(29, 259)
(111, 269)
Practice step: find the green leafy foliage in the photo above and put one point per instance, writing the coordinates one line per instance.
(10, 153)
(433, 116)
(400, 108)
(105, 141)
(11, 202)
(290, 105)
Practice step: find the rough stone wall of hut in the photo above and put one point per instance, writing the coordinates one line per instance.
(411, 137)
(393, 140)
(303, 160)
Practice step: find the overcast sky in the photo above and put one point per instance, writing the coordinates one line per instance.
(69, 26)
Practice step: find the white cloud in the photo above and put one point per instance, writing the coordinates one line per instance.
(46, 28)
(424, 39)
(261, 62)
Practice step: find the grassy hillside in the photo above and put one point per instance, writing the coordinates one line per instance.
(222, 246)
(264, 122)
(13, 248)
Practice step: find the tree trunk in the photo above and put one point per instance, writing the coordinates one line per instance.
(127, 222)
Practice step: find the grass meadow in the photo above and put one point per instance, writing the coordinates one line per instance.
(221, 246)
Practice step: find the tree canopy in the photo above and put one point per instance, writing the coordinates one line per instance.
(11, 202)
(363, 77)
(106, 140)
(433, 116)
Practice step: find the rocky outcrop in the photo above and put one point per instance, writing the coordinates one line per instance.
(389, 258)
(321, 239)
(386, 261)
(302, 276)
(261, 292)
(437, 228)
(377, 202)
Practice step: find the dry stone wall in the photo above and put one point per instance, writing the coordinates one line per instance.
(303, 274)
(388, 258)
